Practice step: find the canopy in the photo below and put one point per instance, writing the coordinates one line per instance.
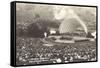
(69, 26)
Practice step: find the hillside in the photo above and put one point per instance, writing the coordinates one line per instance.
(28, 14)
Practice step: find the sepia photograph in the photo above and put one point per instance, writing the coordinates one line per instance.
(55, 34)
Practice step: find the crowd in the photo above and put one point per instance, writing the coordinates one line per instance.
(32, 51)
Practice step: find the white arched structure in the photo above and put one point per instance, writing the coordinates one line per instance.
(69, 25)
